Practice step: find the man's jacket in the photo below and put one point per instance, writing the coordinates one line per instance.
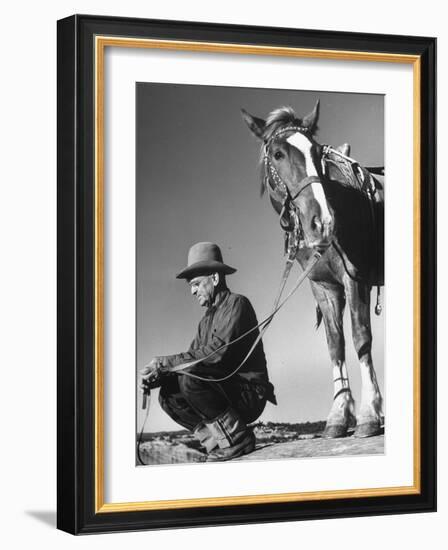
(230, 316)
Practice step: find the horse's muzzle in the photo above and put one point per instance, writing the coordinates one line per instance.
(322, 246)
(315, 214)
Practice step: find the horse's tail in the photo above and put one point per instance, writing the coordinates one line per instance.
(318, 317)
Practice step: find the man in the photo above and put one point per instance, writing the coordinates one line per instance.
(218, 412)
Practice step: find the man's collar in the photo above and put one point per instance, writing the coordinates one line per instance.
(219, 297)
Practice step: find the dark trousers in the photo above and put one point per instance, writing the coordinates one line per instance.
(189, 401)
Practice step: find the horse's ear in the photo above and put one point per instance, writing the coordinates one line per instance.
(256, 125)
(310, 121)
(344, 149)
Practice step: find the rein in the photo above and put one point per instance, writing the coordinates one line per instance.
(263, 325)
(281, 194)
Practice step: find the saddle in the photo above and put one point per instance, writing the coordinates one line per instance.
(337, 165)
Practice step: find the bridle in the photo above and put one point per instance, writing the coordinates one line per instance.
(290, 220)
(271, 171)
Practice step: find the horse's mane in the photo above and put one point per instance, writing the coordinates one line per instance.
(281, 117)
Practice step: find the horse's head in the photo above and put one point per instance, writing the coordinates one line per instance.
(292, 168)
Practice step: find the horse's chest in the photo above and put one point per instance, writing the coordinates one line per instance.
(326, 270)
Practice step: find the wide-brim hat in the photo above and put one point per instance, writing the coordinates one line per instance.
(204, 258)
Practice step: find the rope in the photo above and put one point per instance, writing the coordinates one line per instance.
(264, 324)
(147, 401)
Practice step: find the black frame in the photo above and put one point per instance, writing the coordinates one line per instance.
(75, 476)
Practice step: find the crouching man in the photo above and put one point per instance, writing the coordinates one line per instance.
(218, 412)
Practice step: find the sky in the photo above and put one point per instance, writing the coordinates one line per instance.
(197, 179)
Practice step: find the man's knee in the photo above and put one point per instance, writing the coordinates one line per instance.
(177, 408)
(189, 385)
(164, 400)
(252, 401)
(169, 397)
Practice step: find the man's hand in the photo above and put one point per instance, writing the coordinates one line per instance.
(150, 375)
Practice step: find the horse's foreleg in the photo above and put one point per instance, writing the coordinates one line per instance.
(331, 301)
(370, 412)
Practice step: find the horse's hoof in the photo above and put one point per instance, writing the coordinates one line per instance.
(333, 431)
(368, 429)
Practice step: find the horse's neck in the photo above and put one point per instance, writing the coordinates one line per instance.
(341, 172)
(340, 194)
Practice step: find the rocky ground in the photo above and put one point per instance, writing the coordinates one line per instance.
(274, 441)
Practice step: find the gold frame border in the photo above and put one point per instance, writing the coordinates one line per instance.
(101, 42)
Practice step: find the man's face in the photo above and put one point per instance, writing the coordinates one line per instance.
(203, 287)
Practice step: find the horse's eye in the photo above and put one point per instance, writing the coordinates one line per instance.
(278, 155)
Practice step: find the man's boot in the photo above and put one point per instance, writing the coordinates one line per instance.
(232, 435)
(205, 437)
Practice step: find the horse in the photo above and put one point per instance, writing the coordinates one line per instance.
(337, 218)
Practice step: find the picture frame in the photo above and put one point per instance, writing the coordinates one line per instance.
(82, 201)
